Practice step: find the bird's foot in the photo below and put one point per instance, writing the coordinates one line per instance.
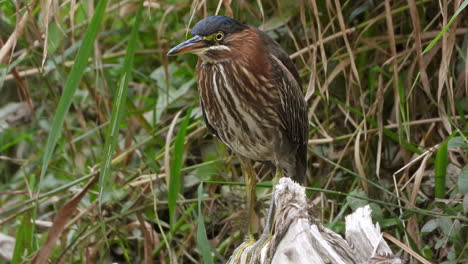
(254, 248)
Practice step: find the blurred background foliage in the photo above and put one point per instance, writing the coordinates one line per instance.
(387, 127)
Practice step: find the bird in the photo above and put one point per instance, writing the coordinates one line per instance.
(251, 97)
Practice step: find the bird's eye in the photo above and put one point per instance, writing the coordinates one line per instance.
(219, 36)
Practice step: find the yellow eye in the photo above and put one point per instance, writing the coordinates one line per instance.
(219, 36)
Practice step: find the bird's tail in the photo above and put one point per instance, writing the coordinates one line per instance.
(297, 170)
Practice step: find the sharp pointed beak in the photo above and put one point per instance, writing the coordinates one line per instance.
(189, 46)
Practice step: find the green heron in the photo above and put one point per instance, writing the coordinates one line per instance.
(251, 96)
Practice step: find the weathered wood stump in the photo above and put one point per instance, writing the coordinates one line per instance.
(299, 238)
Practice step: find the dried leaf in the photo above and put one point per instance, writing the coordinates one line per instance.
(60, 220)
(149, 240)
(11, 42)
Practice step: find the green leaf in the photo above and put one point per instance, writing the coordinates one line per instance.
(430, 226)
(202, 238)
(434, 41)
(105, 179)
(76, 73)
(441, 170)
(354, 202)
(427, 252)
(446, 225)
(176, 166)
(463, 181)
(377, 214)
(458, 142)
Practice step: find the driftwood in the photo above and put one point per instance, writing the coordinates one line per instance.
(299, 238)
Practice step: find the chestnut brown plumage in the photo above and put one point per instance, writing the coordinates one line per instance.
(250, 93)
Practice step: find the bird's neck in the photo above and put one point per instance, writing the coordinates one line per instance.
(203, 60)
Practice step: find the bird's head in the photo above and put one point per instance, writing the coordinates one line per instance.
(213, 39)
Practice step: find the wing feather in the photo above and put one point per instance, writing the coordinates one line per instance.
(293, 108)
(208, 125)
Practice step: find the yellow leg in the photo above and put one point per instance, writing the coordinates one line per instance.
(278, 176)
(250, 181)
(269, 220)
(268, 230)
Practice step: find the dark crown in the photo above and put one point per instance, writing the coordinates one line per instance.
(213, 24)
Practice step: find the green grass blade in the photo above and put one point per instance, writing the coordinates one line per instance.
(202, 239)
(23, 239)
(77, 71)
(176, 166)
(105, 179)
(434, 41)
(441, 170)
